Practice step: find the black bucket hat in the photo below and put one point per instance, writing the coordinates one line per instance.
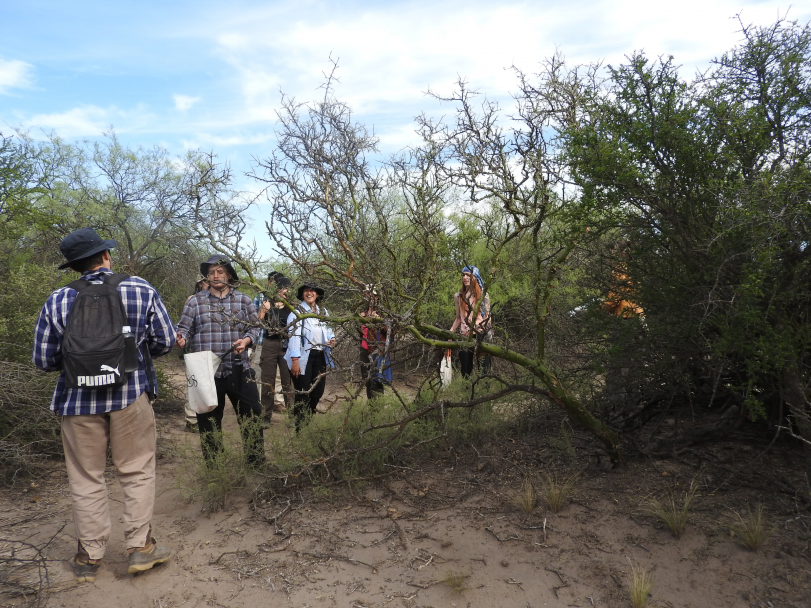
(83, 243)
(282, 281)
(314, 287)
(218, 260)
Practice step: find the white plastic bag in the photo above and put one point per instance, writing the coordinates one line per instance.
(200, 368)
(445, 370)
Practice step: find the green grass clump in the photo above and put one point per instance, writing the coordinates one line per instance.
(640, 584)
(526, 499)
(455, 582)
(749, 528)
(556, 492)
(674, 514)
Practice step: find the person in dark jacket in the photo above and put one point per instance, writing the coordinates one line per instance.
(274, 346)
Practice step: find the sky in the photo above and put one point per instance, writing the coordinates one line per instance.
(209, 75)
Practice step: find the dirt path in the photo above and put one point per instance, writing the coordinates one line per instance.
(441, 533)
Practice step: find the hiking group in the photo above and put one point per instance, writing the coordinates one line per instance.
(101, 332)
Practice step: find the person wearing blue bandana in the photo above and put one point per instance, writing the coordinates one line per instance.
(472, 318)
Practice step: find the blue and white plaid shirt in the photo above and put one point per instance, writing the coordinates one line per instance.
(150, 321)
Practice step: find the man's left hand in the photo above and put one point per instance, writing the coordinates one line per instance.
(241, 345)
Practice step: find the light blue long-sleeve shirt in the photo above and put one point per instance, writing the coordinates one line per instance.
(303, 336)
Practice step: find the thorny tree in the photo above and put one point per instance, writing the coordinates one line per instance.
(349, 222)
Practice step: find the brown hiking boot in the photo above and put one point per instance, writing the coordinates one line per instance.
(147, 556)
(85, 571)
(83, 567)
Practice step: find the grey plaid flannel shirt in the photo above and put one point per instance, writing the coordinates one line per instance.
(214, 324)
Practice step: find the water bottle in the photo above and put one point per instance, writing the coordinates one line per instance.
(130, 351)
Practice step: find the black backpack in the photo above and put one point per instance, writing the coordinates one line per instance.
(96, 351)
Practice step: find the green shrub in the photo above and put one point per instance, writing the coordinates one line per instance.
(365, 437)
(29, 432)
(26, 289)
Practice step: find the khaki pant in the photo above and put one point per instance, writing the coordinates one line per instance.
(191, 415)
(131, 435)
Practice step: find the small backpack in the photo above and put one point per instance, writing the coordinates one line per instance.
(98, 349)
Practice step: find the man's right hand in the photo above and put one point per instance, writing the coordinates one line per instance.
(180, 342)
(295, 370)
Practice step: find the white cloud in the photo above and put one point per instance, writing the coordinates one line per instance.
(390, 55)
(399, 137)
(208, 139)
(387, 55)
(15, 74)
(693, 31)
(184, 102)
(91, 121)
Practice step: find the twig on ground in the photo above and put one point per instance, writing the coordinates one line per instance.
(343, 558)
(498, 538)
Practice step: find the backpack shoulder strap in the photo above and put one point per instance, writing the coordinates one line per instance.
(78, 284)
(107, 279)
(115, 279)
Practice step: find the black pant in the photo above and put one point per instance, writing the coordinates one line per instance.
(308, 390)
(245, 398)
(466, 362)
(374, 388)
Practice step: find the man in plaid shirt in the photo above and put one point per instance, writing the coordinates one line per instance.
(119, 416)
(224, 320)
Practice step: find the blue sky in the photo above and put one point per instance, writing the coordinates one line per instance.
(208, 74)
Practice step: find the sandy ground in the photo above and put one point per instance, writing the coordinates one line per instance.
(442, 532)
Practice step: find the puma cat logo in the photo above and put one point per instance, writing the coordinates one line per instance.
(107, 368)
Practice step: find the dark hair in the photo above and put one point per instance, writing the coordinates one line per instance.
(85, 264)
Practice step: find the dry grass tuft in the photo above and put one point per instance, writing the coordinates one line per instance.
(640, 584)
(749, 529)
(527, 498)
(455, 581)
(555, 492)
(673, 514)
